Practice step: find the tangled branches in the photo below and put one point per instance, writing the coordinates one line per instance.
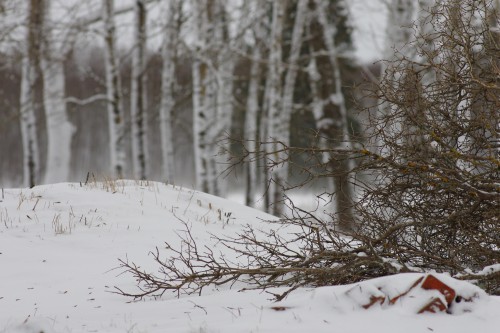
(311, 254)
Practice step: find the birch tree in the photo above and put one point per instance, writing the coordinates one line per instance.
(223, 82)
(171, 12)
(212, 93)
(55, 48)
(138, 101)
(252, 102)
(113, 87)
(29, 73)
(291, 72)
(281, 98)
(278, 174)
(201, 95)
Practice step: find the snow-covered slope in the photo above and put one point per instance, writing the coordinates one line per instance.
(59, 245)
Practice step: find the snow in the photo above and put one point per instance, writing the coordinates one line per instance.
(60, 244)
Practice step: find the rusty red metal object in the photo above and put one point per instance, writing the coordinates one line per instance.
(436, 304)
(433, 283)
(366, 297)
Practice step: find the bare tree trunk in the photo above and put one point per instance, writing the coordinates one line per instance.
(344, 193)
(223, 77)
(170, 40)
(28, 125)
(252, 107)
(277, 176)
(223, 46)
(291, 74)
(251, 129)
(59, 129)
(138, 93)
(198, 136)
(113, 86)
(200, 91)
(281, 98)
(31, 60)
(210, 91)
(264, 137)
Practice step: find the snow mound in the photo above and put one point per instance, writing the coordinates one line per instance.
(410, 293)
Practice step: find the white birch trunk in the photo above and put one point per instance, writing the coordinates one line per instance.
(59, 129)
(209, 128)
(277, 177)
(113, 86)
(199, 72)
(31, 162)
(205, 85)
(138, 93)
(198, 138)
(290, 78)
(250, 135)
(31, 159)
(252, 102)
(291, 74)
(223, 45)
(219, 142)
(169, 47)
(281, 99)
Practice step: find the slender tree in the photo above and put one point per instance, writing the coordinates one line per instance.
(225, 62)
(55, 47)
(201, 95)
(30, 66)
(113, 87)
(252, 103)
(172, 12)
(138, 101)
(275, 68)
(212, 94)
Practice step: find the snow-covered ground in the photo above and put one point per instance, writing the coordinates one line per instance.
(59, 245)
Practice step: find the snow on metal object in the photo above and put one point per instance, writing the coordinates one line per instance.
(437, 305)
(427, 294)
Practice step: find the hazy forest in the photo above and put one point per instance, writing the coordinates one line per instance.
(257, 96)
(189, 84)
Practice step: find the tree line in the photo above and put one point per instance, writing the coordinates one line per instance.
(221, 73)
